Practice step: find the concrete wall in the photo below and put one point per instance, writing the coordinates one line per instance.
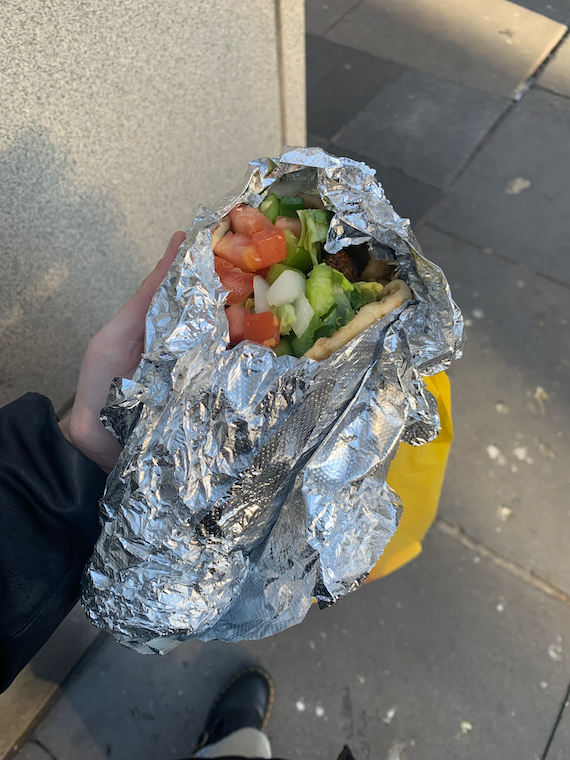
(117, 119)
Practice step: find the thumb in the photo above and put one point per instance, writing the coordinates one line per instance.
(151, 282)
(137, 306)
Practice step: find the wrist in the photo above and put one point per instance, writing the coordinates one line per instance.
(85, 431)
(64, 427)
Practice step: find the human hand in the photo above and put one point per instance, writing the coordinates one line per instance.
(114, 352)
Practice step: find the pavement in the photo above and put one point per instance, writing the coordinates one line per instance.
(464, 111)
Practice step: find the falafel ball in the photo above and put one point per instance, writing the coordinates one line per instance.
(343, 262)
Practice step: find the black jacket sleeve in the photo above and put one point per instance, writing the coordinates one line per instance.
(49, 495)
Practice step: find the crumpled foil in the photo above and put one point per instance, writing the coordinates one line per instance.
(251, 484)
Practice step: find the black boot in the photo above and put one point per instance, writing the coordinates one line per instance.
(244, 702)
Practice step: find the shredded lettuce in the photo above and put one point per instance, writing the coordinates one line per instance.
(315, 226)
(340, 279)
(358, 298)
(307, 339)
(286, 315)
(320, 289)
(330, 323)
(283, 349)
(350, 313)
(342, 302)
(371, 291)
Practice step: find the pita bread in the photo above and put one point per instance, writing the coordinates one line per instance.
(395, 294)
(223, 227)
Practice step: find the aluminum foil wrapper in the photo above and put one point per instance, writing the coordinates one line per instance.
(251, 484)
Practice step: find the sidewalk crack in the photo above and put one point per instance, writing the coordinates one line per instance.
(341, 18)
(43, 747)
(491, 252)
(563, 706)
(512, 567)
(532, 81)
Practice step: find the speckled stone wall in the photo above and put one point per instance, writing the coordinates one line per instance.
(117, 119)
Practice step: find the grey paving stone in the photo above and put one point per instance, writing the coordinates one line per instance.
(315, 141)
(340, 82)
(556, 75)
(404, 661)
(411, 198)
(128, 706)
(491, 45)
(31, 751)
(513, 198)
(560, 747)
(321, 14)
(32, 689)
(558, 10)
(424, 126)
(508, 481)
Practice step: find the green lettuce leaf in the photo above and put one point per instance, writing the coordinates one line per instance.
(315, 226)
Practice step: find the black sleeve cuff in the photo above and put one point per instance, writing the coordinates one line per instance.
(49, 493)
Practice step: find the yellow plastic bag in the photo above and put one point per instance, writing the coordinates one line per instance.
(416, 474)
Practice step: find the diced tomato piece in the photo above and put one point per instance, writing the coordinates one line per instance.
(236, 315)
(262, 328)
(263, 272)
(248, 220)
(240, 250)
(286, 223)
(271, 246)
(240, 284)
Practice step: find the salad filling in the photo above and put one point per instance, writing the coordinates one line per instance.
(286, 292)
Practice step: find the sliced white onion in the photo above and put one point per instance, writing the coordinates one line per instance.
(304, 312)
(286, 288)
(260, 288)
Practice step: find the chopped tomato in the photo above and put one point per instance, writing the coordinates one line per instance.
(287, 223)
(248, 220)
(240, 284)
(271, 246)
(263, 272)
(262, 328)
(236, 315)
(240, 250)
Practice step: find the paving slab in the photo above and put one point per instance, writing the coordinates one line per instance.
(424, 126)
(340, 82)
(556, 75)
(558, 10)
(491, 45)
(320, 15)
(318, 142)
(423, 660)
(513, 198)
(507, 481)
(33, 688)
(560, 747)
(32, 751)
